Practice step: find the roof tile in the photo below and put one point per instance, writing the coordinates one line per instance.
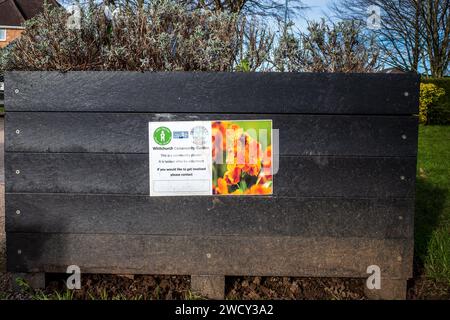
(15, 12)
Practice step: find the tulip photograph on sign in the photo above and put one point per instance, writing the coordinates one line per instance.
(242, 157)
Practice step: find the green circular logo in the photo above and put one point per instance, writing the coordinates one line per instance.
(162, 135)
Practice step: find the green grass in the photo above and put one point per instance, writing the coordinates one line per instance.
(432, 222)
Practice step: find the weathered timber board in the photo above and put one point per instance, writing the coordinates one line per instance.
(343, 198)
(318, 217)
(221, 255)
(309, 176)
(317, 93)
(128, 133)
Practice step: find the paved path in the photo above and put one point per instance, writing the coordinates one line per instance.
(2, 198)
(2, 151)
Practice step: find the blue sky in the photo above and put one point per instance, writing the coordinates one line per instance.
(319, 8)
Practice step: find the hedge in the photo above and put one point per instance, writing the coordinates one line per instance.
(439, 112)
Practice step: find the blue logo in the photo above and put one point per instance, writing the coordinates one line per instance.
(180, 134)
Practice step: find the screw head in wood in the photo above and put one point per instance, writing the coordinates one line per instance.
(402, 177)
(17, 211)
(18, 131)
(208, 255)
(16, 91)
(406, 93)
(404, 136)
(17, 171)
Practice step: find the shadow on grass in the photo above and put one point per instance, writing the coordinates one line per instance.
(430, 201)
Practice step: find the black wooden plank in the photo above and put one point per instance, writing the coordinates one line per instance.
(312, 176)
(318, 217)
(128, 133)
(224, 255)
(329, 93)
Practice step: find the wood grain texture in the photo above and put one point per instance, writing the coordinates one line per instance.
(313, 93)
(208, 255)
(306, 217)
(313, 176)
(128, 133)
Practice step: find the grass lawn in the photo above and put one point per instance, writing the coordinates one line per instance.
(432, 222)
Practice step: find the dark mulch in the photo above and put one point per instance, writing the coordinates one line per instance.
(98, 286)
(295, 288)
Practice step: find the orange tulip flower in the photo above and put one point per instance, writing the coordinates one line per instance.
(222, 186)
(233, 175)
(259, 189)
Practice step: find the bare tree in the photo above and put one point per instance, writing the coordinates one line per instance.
(435, 15)
(266, 8)
(414, 34)
(399, 34)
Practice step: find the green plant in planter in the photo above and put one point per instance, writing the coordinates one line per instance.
(161, 36)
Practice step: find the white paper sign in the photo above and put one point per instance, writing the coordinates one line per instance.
(220, 157)
(180, 158)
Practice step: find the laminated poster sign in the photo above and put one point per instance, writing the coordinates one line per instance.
(232, 157)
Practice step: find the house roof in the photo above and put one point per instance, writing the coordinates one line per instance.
(15, 12)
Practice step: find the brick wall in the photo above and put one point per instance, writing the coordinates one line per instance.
(11, 34)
